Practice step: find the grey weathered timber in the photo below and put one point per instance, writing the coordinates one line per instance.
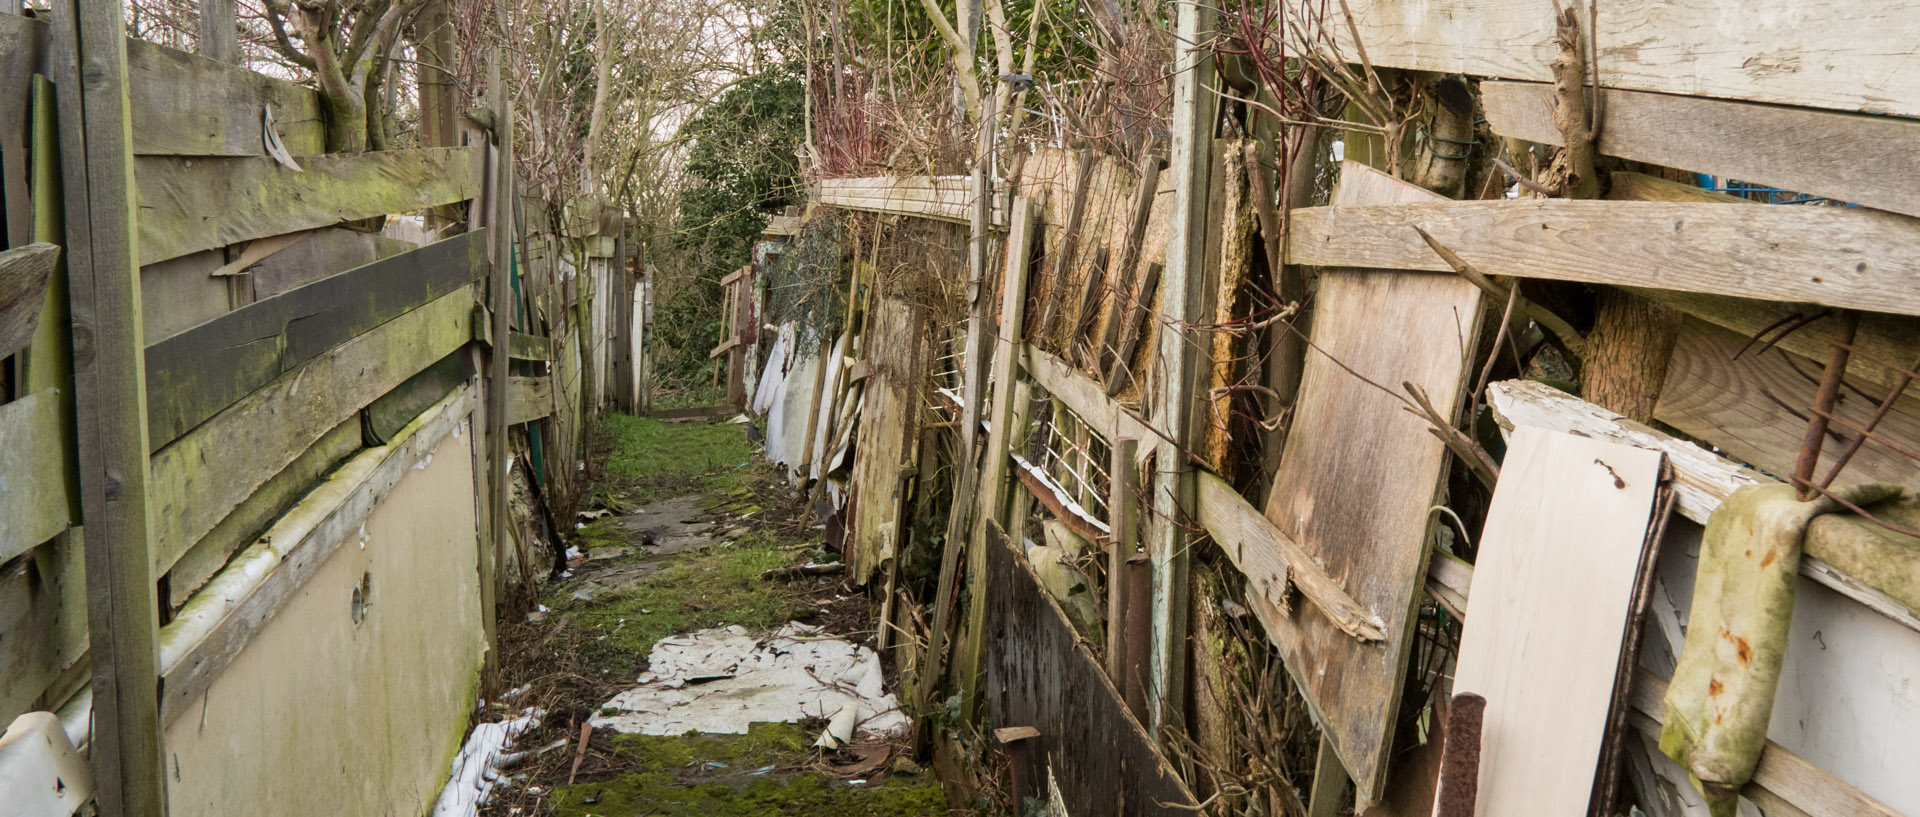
(23, 291)
(218, 40)
(1834, 256)
(200, 477)
(1123, 517)
(1820, 53)
(191, 105)
(204, 203)
(1849, 157)
(327, 518)
(195, 374)
(1273, 563)
(22, 49)
(1183, 303)
(499, 486)
(1040, 674)
(528, 399)
(90, 68)
(33, 482)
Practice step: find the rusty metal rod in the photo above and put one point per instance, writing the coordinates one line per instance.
(1823, 401)
(1460, 757)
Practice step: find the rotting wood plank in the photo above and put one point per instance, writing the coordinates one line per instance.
(1146, 189)
(1274, 564)
(193, 375)
(1558, 566)
(196, 204)
(24, 272)
(218, 623)
(523, 346)
(1835, 256)
(1819, 53)
(1131, 328)
(898, 334)
(33, 484)
(1702, 479)
(1737, 404)
(1040, 674)
(1086, 399)
(946, 198)
(1856, 158)
(1360, 472)
(528, 399)
(203, 475)
(189, 105)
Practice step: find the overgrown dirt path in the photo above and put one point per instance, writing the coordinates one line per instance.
(693, 522)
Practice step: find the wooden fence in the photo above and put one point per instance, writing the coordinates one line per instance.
(1130, 333)
(228, 392)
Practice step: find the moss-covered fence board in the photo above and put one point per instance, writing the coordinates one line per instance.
(193, 375)
(205, 474)
(188, 105)
(187, 205)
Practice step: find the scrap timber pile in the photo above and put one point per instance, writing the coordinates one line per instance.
(1484, 410)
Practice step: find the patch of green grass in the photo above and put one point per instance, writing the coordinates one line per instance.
(657, 460)
(716, 587)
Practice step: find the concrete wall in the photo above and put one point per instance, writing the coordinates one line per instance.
(321, 715)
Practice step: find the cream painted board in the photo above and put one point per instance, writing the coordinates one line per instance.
(321, 715)
(1551, 591)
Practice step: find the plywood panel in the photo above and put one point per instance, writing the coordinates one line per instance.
(1551, 593)
(1358, 475)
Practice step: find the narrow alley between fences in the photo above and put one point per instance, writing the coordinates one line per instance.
(963, 408)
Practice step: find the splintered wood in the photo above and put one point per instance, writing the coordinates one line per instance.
(1551, 593)
(1358, 475)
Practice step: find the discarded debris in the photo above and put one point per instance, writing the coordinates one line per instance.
(475, 769)
(722, 680)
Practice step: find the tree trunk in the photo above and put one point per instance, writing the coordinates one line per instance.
(1627, 353)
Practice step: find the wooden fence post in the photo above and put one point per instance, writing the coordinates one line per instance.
(1123, 514)
(1000, 434)
(1183, 304)
(499, 298)
(90, 60)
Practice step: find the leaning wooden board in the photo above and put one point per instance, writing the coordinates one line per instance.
(1551, 591)
(1358, 475)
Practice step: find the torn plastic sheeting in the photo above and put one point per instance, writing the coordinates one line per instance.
(474, 770)
(721, 681)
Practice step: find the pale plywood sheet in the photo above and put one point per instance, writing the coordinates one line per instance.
(1358, 475)
(1551, 593)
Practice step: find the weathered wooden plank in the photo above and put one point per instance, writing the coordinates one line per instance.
(1702, 479)
(897, 342)
(1738, 406)
(22, 46)
(393, 411)
(23, 291)
(947, 198)
(189, 105)
(1824, 54)
(528, 399)
(1835, 256)
(203, 475)
(33, 482)
(1558, 564)
(1359, 473)
(1275, 564)
(258, 511)
(203, 203)
(523, 346)
(96, 158)
(1849, 157)
(1000, 435)
(1040, 674)
(193, 375)
(1086, 398)
(219, 622)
